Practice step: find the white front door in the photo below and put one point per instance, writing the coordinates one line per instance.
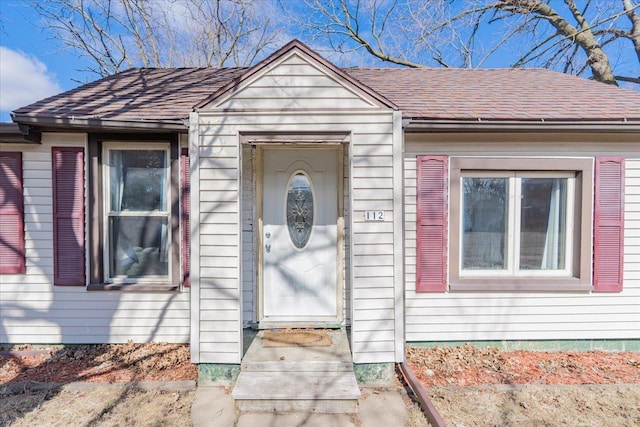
(299, 236)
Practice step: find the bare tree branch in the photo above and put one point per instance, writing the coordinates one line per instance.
(629, 79)
(115, 34)
(597, 59)
(631, 12)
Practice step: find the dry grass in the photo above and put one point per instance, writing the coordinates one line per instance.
(529, 406)
(415, 416)
(116, 405)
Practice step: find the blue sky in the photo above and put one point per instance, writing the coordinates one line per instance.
(32, 66)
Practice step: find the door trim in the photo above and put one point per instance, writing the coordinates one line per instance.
(340, 238)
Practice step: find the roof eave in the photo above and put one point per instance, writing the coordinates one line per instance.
(12, 133)
(98, 124)
(438, 125)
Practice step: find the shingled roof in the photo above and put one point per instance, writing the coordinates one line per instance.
(170, 94)
(499, 94)
(138, 94)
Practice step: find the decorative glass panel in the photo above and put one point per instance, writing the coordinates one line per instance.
(300, 209)
(485, 222)
(139, 246)
(543, 223)
(137, 180)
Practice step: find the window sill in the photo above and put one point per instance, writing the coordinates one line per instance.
(510, 284)
(134, 287)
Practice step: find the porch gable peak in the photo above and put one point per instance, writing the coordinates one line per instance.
(294, 78)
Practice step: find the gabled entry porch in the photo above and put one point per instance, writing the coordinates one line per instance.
(279, 376)
(297, 202)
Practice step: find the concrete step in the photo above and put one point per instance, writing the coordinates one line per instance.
(292, 406)
(327, 392)
(296, 366)
(286, 379)
(338, 351)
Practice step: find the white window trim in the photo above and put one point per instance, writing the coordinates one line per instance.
(107, 213)
(513, 225)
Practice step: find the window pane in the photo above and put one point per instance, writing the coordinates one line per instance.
(299, 210)
(484, 228)
(137, 180)
(543, 223)
(139, 246)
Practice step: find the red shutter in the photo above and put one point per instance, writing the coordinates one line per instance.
(11, 214)
(432, 197)
(608, 225)
(68, 216)
(184, 190)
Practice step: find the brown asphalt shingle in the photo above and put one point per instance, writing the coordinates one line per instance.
(155, 94)
(499, 94)
(169, 94)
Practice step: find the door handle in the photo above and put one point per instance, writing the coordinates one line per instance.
(267, 247)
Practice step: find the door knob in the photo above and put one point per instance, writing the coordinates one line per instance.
(267, 235)
(267, 247)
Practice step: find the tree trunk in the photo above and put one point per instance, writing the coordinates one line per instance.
(634, 34)
(597, 59)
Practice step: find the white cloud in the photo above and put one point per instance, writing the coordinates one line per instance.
(23, 80)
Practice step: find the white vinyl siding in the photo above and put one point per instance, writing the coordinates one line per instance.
(372, 280)
(32, 310)
(468, 316)
(296, 98)
(295, 84)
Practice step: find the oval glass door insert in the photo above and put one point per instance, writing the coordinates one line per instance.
(299, 209)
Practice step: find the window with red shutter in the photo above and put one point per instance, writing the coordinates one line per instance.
(68, 216)
(134, 212)
(431, 273)
(12, 255)
(608, 225)
(517, 224)
(184, 194)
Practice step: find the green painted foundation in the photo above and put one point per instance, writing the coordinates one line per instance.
(375, 374)
(31, 347)
(214, 374)
(541, 345)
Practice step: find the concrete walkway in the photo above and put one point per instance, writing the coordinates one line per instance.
(214, 407)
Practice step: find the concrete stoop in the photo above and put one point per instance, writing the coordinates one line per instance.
(290, 379)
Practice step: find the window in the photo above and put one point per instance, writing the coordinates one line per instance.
(516, 223)
(520, 224)
(12, 253)
(137, 214)
(300, 207)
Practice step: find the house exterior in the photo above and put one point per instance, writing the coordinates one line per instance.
(408, 205)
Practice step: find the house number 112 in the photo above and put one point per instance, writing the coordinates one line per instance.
(374, 215)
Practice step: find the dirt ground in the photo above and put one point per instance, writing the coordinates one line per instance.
(472, 386)
(99, 363)
(469, 386)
